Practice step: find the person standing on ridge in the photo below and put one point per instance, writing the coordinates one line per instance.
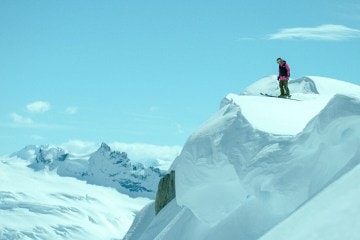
(283, 78)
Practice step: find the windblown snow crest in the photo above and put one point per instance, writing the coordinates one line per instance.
(212, 161)
(245, 170)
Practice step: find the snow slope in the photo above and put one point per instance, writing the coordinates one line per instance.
(333, 214)
(258, 159)
(43, 205)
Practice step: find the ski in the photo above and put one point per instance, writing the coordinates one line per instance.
(268, 95)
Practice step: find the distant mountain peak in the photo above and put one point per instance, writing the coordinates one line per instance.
(115, 157)
(104, 147)
(104, 167)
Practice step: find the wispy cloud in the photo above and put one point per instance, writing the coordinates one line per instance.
(37, 137)
(328, 32)
(38, 107)
(247, 39)
(20, 120)
(179, 129)
(71, 110)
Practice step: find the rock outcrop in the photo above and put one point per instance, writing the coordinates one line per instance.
(166, 191)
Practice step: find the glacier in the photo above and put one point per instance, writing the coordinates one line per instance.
(44, 205)
(259, 161)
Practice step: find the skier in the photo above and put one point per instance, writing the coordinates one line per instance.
(283, 78)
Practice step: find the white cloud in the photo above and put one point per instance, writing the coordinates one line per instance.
(147, 154)
(38, 107)
(179, 129)
(37, 137)
(328, 32)
(18, 119)
(79, 147)
(71, 110)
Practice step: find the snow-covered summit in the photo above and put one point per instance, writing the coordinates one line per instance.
(305, 85)
(44, 153)
(103, 167)
(283, 116)
(44, 156)
(114, 169)
(258, 159)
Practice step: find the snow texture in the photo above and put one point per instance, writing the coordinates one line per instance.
(266, 168)
(43, 205)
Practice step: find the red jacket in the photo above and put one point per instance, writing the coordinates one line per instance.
(284, 71)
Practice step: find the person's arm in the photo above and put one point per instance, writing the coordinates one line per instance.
(278, 77)
(287, 70)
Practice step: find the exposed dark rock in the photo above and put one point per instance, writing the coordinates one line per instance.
(166, 191)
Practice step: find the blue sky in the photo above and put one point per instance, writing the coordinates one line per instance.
(152, 71)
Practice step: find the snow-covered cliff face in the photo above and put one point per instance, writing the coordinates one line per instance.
(42, 156)
(104, 167)
(258, 159)
(114, 169)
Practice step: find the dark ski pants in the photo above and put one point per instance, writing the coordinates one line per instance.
(284, 89)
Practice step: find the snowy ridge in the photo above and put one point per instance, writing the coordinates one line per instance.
(43, 205)
(313, 86)
(104, 168)
(258, 159)
(283, 117)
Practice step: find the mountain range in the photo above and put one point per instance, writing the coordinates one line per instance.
(104, 168)
(49, 193)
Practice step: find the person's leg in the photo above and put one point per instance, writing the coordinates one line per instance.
(281, 86)
(286, 88)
